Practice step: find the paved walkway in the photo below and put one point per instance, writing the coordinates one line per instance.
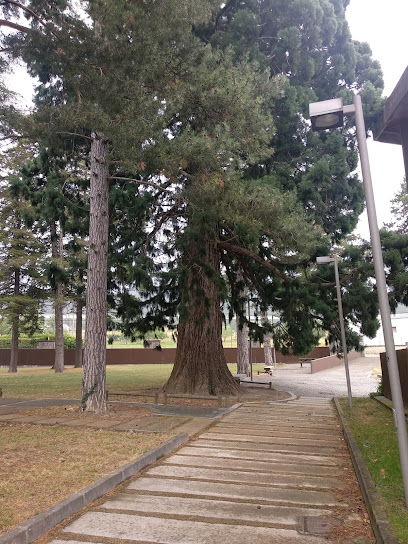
(268, 472)
(328, 383)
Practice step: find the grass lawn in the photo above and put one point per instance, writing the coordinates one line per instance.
(40, 466)
(43, 382)
(373, 429)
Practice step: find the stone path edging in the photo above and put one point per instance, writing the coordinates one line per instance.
(35, 527)
(380, 523)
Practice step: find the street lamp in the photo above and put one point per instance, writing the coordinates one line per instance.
(325, 260)
(322, 111)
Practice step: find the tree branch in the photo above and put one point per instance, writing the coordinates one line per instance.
(143, 182)
(27, 10)
(15, 26)
(75, 134)
(250, 254)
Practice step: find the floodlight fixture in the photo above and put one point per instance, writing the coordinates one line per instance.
(327, 114)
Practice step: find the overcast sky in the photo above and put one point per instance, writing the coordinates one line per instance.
(383, 24)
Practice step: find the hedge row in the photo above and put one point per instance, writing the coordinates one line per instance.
(25, 342)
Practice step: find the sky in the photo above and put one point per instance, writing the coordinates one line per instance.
(384, 26)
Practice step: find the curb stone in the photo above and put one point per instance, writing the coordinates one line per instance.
(35, 527)
(380, 523)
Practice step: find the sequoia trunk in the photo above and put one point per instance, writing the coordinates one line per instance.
(200, 366)
(94, 380)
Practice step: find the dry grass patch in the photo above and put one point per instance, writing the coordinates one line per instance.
(40, 466)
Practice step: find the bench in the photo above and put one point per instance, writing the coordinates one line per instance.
(305, 360)
(268, 369)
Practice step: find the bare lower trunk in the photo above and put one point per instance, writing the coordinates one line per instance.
(78, 334)
(94, 380)
(56, 251)
(242, 340)
(200, 366)
(59, 330)
(267, 343)
(242, 349)
(15, 325)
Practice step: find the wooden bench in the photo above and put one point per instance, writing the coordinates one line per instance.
(268, 369)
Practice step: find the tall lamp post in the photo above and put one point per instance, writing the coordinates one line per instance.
(326, 115)
(325, 260)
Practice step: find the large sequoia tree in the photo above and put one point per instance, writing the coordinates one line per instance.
(260, 223)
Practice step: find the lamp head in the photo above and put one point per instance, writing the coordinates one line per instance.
(324, 260)
(327, 114)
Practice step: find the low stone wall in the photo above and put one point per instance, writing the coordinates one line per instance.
(331, 361)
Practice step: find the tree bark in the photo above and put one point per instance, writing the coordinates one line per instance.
(242, 342)
(267, 343)
(200, 366)
(94, 380)
(15, 326)
(78, 334)
(56, 251)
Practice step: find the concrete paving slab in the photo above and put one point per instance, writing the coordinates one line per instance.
(255, 465)
(232, 441)
(194, 426)
(299, 497)
(266, 438)
(166, 423)
(303, 421)
(9, 417)
(253, 478)
(265, 449)
(91, 423)
(255, 455)
(276, 430)
(206, 508)
(172, 531)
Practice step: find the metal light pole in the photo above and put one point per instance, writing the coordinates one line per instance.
(321, 111)
(323, 260)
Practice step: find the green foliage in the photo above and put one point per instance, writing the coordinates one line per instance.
(26, 342)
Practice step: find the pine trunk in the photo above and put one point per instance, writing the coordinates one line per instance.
(56, 251)
(78, 334)
(242, 349)
(94, 380)
(15, 326)
(242, 342)
(200, 366)
(267, 343)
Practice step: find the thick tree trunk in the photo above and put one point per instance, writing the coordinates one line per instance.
(200, 366)
(267, 343)
(15, 326)
(94, 380)
(78, 334)
(56, 250)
